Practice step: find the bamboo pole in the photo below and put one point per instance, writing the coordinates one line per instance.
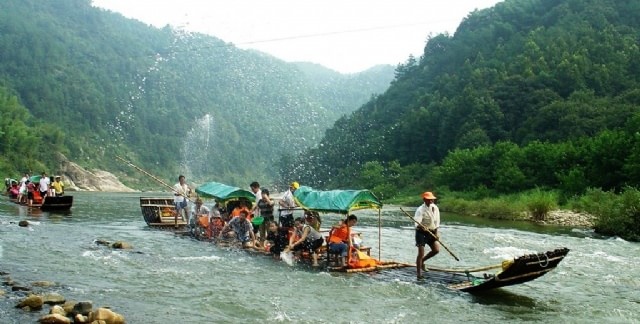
(152, 177)
(157, 180)
(434, 236)
(379, 235)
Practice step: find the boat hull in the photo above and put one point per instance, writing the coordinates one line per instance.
(521, 270)
(160, 212)
(57, 203)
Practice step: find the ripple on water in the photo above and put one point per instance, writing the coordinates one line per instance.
(173, 279)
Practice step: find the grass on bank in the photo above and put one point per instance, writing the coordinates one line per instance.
(617, 214)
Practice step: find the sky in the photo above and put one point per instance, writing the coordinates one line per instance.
(345, 35)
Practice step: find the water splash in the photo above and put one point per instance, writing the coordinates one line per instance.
(196, 152)
(124, 119)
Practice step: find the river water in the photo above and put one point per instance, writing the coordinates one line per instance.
(170, 278)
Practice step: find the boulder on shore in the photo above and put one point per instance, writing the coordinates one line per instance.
(76, 178)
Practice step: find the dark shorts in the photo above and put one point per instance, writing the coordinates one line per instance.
(30, 195)
(309, 246)
(181, 205)
(286, 220)
(423, 238)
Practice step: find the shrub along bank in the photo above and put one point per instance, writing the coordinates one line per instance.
(613, 214)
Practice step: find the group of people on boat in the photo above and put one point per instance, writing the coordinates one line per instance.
(254, 226)
(33, 190)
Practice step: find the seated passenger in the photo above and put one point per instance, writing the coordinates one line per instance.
(340, 238)
(199, 210)
(241, 229)
(277, 239)
(242, 206)
(216, 222)
(313, 219)
(306, 238)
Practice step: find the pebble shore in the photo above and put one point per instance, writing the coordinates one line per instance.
(568, 218)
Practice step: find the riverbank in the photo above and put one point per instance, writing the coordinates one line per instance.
(567, 218)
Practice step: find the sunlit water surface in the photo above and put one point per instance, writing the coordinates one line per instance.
(169, 278)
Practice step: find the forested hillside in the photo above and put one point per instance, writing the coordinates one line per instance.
(92, 84)
(528, 94)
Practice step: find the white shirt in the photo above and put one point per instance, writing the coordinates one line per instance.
(44, 184)
(257, 194)
(287, 202)
(182, 190)
(428, 216)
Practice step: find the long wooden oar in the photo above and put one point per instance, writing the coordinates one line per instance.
(158, 181)
(152, 177)
(433, 235)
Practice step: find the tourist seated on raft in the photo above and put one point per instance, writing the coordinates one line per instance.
(216, 222)
(339, 241)
(242, 206)
(313, 219)
(241, 229)
(277, 239)
(198, 211)
(305, 238)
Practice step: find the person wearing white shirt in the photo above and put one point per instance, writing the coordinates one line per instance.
(181, 193)
(255, 189)
(428, 216)
(44, 185)
(287, 205)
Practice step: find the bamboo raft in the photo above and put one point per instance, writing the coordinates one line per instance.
(510, 272)
(159, 213)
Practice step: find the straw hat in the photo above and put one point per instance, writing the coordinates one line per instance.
(428, 195)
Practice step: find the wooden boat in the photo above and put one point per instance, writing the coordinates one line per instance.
(50, 203)
(56, 203)
(512, 272)
(160, 212)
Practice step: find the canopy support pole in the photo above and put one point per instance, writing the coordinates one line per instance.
(379, 235)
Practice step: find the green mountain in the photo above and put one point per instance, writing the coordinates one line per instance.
(545, 77)
(92, 84)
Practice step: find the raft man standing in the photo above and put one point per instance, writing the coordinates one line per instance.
(428, 215)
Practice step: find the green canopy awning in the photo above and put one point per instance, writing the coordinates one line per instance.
(35, 179)
(336, 201)
(222, 192)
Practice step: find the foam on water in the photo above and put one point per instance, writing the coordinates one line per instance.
(181, 280)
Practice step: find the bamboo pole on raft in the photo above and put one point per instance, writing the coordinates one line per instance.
(379, 235)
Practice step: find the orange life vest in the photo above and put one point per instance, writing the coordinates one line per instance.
(340, 234)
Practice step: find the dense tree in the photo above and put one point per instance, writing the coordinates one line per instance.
(525, 94)
(172, 101)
